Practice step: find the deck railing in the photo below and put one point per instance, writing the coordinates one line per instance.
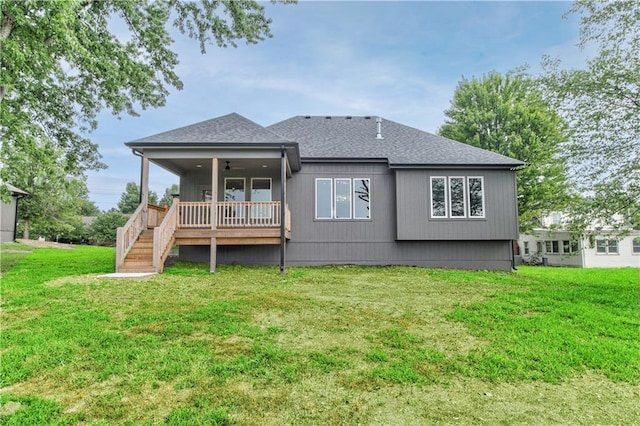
(163, 236)
(232, 214)
(127, 235)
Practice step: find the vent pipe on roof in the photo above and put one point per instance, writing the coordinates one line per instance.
(379, 128)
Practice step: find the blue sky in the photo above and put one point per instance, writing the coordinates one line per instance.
(398, 60)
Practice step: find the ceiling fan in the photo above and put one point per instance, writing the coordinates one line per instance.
(229, 167)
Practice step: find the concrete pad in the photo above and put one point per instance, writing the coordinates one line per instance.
(128, 275)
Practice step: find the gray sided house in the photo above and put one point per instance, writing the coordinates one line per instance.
(317, 190)
(9, 214)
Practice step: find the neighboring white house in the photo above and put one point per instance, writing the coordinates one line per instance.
(556, 247)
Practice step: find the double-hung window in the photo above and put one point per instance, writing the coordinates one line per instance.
(343, 198)
(457, 197)
(607, 246)
(552, 247)
(636, 245)
(569, 246)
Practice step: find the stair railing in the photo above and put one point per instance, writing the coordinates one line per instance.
(127, 235)
(163, 236)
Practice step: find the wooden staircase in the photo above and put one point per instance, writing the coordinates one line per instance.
(140, 258)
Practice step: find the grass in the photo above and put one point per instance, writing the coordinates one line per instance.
(330, 345)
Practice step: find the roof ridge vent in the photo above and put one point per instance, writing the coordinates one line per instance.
(379, 128)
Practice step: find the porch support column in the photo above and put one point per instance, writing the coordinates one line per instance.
(144, 190)
(283, 209)
(214, 213)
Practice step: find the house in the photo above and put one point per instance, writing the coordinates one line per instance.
(316, 190)
(9, 214)
(601, 246)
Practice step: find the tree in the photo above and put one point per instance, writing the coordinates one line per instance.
(506, 114)
(56, 199)
(130, 198)
(63, 61)
(167, 197)
(601, 104)
(104, 227)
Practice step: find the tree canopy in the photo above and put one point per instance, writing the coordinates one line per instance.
(167, 197)
(64, 61)
(130, 198)
(506, 114)
(601, 104)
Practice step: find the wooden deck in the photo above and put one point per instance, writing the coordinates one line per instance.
(192, 223)
(228, 236)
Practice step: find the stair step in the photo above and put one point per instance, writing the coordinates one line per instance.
(125, 269)
(140, 256)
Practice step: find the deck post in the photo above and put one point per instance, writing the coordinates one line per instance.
(214, 212)
(144, 191)
(283, 210)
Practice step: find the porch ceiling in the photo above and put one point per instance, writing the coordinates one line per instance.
(252, 166)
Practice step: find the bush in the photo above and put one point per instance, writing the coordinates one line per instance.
(104, 227)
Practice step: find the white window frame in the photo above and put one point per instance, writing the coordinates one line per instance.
(335, 198)
(526, 248)
(354, 197)
(607, 247)
(331, 215)
(571, 245)
(481, 178)
(464, 197)
(549, 243)
(261, 212)
(446, 196)
(635, 246)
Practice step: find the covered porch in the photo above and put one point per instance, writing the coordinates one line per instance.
(233, 191)
(233, 200)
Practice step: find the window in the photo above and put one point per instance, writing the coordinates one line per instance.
(438, 197)
(261, 192)
(343, 198)
(342, 208)
(324, 197)
(476, 197)
(552, 247)
(607, 246)
(361, 202)
(457, 197)
(636, 245)
(569, 246)
(526, 247)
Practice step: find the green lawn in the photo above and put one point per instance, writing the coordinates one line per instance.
(330, 345)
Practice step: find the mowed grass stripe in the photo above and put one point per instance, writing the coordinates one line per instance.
(250, 346)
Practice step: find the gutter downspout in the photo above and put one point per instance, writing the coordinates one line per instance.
(283, 210)
(15, 220)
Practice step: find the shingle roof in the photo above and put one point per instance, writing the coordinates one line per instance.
(232, 128)
(345, 137)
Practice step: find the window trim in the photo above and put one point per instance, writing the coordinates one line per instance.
(333, 200)
(635, 244)
(550, 242)
(330, 199)
(244, 188)
(481, 178)
(446, 201)
(466, 201)
(464, 197)
(353, 199)
(607, 245)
